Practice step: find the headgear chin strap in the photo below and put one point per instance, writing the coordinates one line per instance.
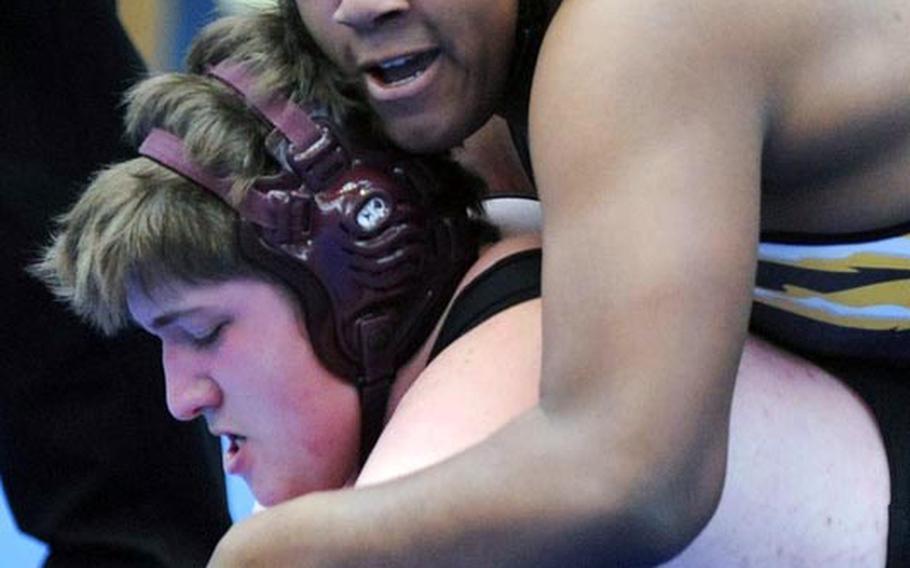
(351, 231)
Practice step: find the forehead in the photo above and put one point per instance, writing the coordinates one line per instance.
(239, 296)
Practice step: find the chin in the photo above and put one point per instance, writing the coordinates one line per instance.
(426, 134)
(422, 142)
(271, 496)
(268, 499)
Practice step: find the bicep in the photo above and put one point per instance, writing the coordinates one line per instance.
(648, 170)
(646, 146)
(474, 387)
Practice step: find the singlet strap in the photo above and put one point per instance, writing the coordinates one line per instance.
(512, 280)
(534, 18)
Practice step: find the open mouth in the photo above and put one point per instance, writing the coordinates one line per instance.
(234, 444)
(402, 70)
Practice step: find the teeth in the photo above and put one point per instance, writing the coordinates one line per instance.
(397, 62)
(403, 69)
(407, 79)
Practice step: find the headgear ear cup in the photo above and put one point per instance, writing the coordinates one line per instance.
(353, 233)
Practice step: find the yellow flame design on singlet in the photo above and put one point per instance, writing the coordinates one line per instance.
(880, 305)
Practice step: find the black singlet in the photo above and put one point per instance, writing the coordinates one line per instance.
(511, 281)
(533, 19)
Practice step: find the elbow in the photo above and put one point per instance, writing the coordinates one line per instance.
(654, 517)
(653, 486)
(637, 530)
(635, 512)
(668, 521)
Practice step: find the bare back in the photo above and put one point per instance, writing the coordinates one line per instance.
(837, 152)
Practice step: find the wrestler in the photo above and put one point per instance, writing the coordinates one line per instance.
(665, 139)
(153, 241)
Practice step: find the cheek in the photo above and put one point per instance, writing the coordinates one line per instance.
(320, 410)
(321, 443)
(317, 17)
(330, 418)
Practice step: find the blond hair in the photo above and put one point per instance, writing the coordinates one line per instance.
(275, 45)
(139, 223)
(277, 48)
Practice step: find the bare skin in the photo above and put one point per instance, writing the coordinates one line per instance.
(789, 461)
(784, 501)
(653, 124)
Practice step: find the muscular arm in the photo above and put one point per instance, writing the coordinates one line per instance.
(646, 135)
(648, 170)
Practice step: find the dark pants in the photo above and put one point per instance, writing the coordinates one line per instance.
(90, 460)
(886, 389)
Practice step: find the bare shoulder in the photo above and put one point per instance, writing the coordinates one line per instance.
(620, 49)
(716, 28)
(632, 56)
(481, 381)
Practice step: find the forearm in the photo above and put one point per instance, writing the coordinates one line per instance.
(528, 496)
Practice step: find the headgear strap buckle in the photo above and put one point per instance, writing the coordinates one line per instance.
(314, 153)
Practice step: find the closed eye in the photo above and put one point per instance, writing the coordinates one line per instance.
(208, 339)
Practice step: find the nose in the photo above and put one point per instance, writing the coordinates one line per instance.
(368, 14)
(189, 389)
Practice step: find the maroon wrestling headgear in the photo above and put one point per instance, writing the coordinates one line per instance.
(351, 230)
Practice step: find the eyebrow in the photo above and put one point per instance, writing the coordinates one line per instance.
(170, 317)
